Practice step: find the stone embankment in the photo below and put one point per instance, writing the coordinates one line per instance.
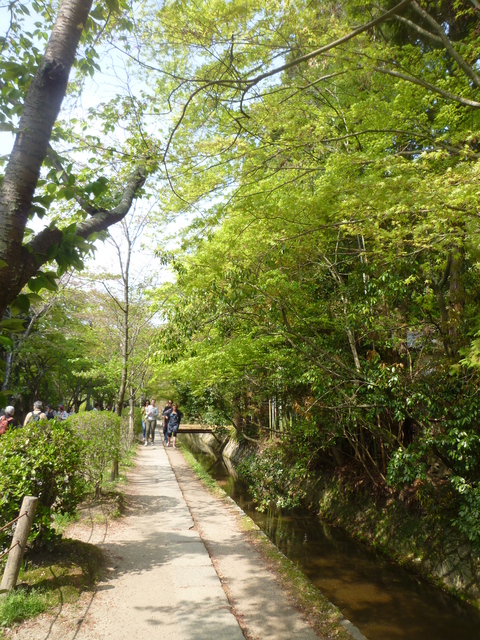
(438, 555)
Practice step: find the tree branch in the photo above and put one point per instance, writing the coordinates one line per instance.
(35, 253)
(468, 71)
(431, 87)
(418, 29)
(332, 45)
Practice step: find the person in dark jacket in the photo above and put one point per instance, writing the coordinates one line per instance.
(50, 412)
(174, 420)
(165, 416)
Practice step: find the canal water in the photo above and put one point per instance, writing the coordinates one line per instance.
(383, 600)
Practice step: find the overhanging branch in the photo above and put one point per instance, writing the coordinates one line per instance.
(35, 252)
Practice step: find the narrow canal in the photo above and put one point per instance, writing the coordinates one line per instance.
(384, 601)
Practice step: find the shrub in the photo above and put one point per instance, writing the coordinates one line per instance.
(273, 479)
(443, 466)
(44, 460)
(101, 435)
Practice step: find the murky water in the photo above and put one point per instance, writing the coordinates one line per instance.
(384, 601)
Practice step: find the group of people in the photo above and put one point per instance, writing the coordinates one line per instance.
(49, 414)
(8, 420)
(171, 418)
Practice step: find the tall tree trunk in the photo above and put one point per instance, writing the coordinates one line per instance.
(131, 416)
(350, 334)
(126, 327)
(8, 369)
(125, 269)
(41, 107)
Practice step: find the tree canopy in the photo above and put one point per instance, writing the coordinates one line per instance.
(324, 160)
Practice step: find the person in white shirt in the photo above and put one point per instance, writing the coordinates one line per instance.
(61, 413)
(151, 415)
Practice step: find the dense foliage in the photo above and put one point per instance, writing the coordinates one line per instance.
(330, 286)
(326, 159)
(102, 440)
(44, 459)
(59, 462)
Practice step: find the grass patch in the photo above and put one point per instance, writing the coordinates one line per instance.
(51, 578)
(200, 472)
(63, 520)
(128, 460)
(21, 604)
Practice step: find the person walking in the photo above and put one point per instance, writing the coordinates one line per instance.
(7, 421)
(165, 416)
(36, 414)
(142, 413)
(173, 424)
(151, 415)
(50, 412)
(61, 413)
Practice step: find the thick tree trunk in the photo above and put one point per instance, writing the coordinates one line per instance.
(18, 262)
(41, 108)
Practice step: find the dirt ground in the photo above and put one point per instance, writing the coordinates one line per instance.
(174, 571)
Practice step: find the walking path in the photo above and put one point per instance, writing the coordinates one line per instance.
(169, 574)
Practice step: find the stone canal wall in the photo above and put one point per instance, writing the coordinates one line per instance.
(433, 550)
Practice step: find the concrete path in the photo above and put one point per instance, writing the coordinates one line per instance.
(259, 603)
(164, 584)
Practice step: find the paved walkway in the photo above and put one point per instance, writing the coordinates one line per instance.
(164, 584)
(263, 609)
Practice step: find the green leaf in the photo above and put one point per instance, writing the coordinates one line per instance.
(20, 305)
(13, 325)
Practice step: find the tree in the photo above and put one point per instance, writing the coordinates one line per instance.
(63, 357)
(338, 274)
(20, 261)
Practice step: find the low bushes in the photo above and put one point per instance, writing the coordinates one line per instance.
(59, 462)
(101, 435)
(273, 479)
(43, 459)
